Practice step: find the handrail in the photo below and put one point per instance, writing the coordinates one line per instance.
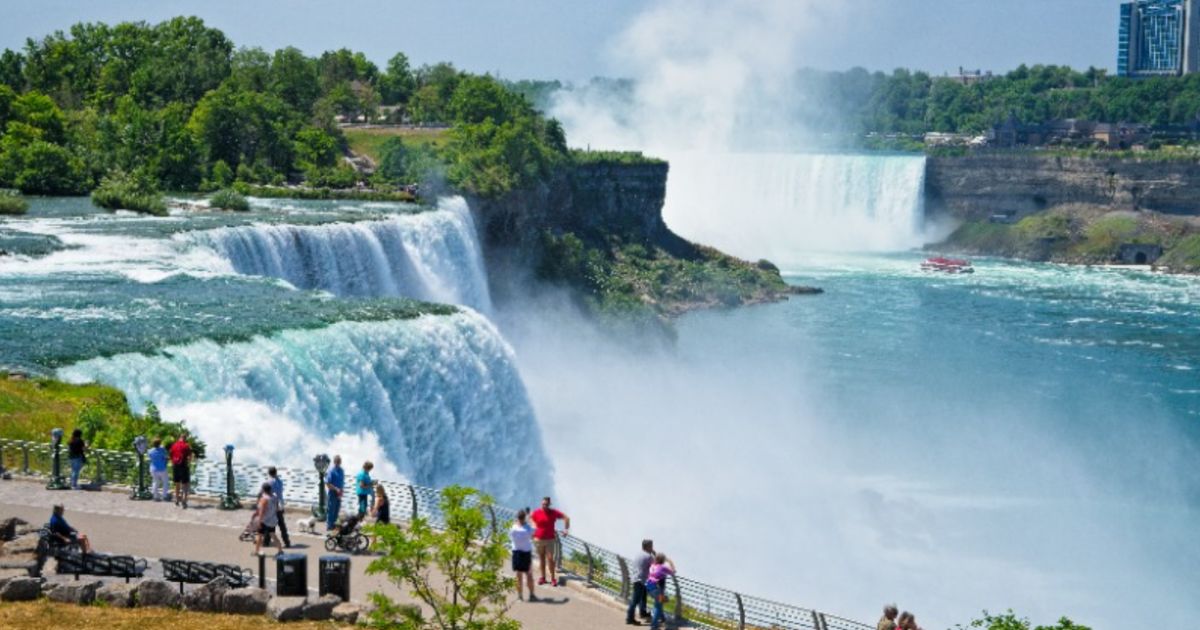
(702, 605)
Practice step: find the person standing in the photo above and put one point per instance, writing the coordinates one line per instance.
(268, 518)
(364, 487)
(77, 455)
(277, 488)
(656, 587)
(888, 620)
(641, 565)
(382, 510)
(335, 483)
(158, 470)
(181, 471)
(521, 536)
(544, 537)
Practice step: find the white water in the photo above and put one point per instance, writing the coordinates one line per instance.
(441, 395)
(431, 256)
(773, 205)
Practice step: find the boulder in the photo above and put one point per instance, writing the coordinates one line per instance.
(8, 527)
(207, 598)
(28, 566)
(321, 609)
(116, 594)
(157, 594)
(25, 544)
(245, 601)
(7, 574)
(286, 608)
(83, 592)
(346, 612)
(21, 589)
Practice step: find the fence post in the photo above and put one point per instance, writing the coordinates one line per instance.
(492, 512)
(816, 620)
(413, 495)
(591, 565)
(2, 471)
(98, 480)
(741, 612)
(626, 587)
(824, 626)
(25, 459)
(678, 601)
(558, 560)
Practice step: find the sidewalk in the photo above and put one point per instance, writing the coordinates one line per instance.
(202, 532)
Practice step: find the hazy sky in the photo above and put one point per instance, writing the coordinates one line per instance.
(574, 39)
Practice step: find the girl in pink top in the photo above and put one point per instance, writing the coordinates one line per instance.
(656, 587)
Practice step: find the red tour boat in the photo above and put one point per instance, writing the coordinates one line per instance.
(947, 265)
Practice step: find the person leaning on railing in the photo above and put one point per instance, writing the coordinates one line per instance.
(656, 587)
(888, 620)
(641, 565)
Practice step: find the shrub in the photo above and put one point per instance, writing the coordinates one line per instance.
(125, 191)
(11, 202)
(228, 199)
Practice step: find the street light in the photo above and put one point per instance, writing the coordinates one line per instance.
(56, 479)
(229, 500)
(140, 493)
(321, 463)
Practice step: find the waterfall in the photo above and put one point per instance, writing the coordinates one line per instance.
(433, 256)
(441, 394)
(781, 205)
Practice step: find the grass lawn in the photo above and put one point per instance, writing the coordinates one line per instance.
(29, 408)
(368, 141)
(45, 615)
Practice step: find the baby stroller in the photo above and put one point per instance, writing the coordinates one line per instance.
(251, 530)
(347, 537)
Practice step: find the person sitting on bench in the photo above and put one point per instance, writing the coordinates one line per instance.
(61, 531)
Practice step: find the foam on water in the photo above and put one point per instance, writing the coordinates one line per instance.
(441, 394)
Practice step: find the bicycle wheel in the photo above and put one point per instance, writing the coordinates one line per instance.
(361, 543)
(331, 543)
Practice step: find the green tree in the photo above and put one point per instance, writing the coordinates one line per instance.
(397, 84)
(480, 98)
(250, 70)
(12, 66)
(294, 79)
(456, 572)
(315, 148)
(1009, 621)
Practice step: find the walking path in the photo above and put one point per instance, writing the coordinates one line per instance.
(149, 529)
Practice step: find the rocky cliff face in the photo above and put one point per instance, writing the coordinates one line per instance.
(977, 186)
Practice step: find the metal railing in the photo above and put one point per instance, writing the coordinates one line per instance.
(692, 602)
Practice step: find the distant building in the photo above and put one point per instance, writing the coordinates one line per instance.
(1158, 38)
(971, 77)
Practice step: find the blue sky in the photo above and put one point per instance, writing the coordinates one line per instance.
(574, 39)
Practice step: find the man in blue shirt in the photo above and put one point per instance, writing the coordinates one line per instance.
(61, 530)
(158, 470)
(335, 482)
(363, 487)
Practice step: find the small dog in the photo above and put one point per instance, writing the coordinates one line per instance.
(307, 525)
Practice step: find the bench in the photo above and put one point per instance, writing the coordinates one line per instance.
(193, 572)
(100, 564)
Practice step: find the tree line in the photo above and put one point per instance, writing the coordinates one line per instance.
(176, 106)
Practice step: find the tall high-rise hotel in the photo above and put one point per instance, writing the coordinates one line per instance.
(1159, 37)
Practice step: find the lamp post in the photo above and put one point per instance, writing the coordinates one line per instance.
(229, 500)
(321, 463)
(56, 478)
(140, 493)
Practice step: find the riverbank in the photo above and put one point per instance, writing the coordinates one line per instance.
(1085, 234)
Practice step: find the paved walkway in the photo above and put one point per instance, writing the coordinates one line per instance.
(202, 532)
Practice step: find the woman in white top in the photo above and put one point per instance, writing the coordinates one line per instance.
(521, 536)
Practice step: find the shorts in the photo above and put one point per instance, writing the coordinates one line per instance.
(266, 530)
(180, 473)
(522, 560)
(544, 546)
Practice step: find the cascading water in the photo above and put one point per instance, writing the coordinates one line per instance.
(432, 256)
(440, 393)
(779, 205)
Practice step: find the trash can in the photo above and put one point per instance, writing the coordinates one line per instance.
(291, 575)
(335, 576)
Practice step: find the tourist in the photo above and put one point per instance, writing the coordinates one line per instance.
(888, 620)
(335, 482)
(181, 471)
(158, 471)
(277, 488)
(521, 535)
(544, 537)
(77, 455)
(268, 518)
(656, 586)
(363, 487)
(60, 529)
(641, 565)
(904, 621)
(382, 510)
